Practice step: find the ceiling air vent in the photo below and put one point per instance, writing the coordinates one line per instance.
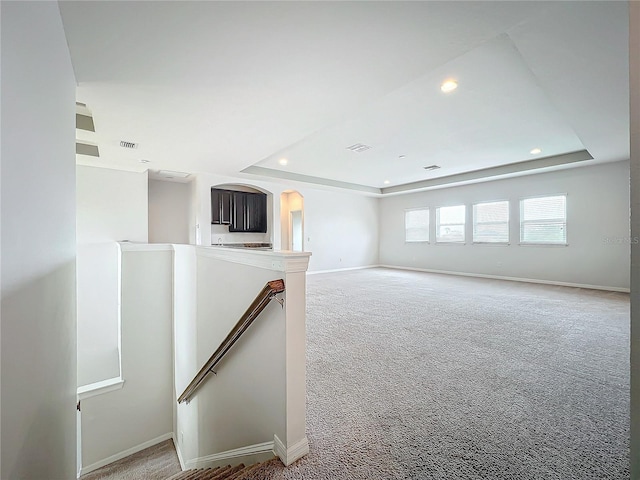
(124, 144)
(171, 174)
(359, 147)
(432, 167)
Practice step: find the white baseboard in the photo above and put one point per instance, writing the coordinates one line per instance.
(125, 453)
(293, 453)
(247, 455)
(341, 269)
(511, 279)
(183, 465)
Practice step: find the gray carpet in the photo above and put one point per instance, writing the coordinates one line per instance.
(154, 463)
(422, 376)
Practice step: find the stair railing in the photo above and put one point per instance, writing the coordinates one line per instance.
(268, 293)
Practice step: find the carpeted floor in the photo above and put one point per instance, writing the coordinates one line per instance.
(154, 463)
(422, 376)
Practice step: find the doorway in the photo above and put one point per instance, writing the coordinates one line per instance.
(292, 221)
(297, 233)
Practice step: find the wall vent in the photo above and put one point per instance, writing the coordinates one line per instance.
(124, 144)
(359, 147)
(432, 167)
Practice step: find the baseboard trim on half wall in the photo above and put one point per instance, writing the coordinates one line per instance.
(291, 454)
(343, 269)
(247, 455)
(511, 279)
(183, 465)
(126, 453)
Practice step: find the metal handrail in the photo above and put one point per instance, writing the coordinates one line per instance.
(259, 303)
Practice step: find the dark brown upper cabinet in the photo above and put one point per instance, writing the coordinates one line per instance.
(242, 211)
(221, 206)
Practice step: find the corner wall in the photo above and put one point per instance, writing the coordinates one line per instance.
(597, 229)
(38, 245)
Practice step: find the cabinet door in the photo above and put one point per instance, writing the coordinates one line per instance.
(256, 212)
(220, 206)
(238, 211)
(215, 206)
(225, 207)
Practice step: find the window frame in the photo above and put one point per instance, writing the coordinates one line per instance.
(473, 223)
(522, 222)
(413, 209)
(464, 226)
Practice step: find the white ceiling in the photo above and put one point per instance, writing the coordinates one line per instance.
(226, 87)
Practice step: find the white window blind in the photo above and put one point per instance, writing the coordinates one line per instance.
(491, 222)
(544, 220)
(416, 225)
(450, 223)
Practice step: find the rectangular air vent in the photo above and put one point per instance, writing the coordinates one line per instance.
(359, 147)
(432, 167)
(124, 144)
(170, 174)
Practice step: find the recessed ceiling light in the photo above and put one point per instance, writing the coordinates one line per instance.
(535, 151)
(142, 160)
(401, 156)
(449, 86)
(283, 161)
(387, 182)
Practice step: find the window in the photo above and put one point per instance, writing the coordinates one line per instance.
(544, 220)
(491, 222)
(450, 224)
(416, 225)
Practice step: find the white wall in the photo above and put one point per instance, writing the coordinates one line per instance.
(169, 211)
(142, 411)
(259, 389)
(341, 228)
(98, 271)
(597, 229)
(185, 333)
(634, 85)
(244, 404)
(112, 205)
(38, 245)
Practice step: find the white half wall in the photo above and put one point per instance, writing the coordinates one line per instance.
(118, 422)
(38, 245)
(597, 229)
(169, 211)
(259, 389)
(98, 270)
(112, 206)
